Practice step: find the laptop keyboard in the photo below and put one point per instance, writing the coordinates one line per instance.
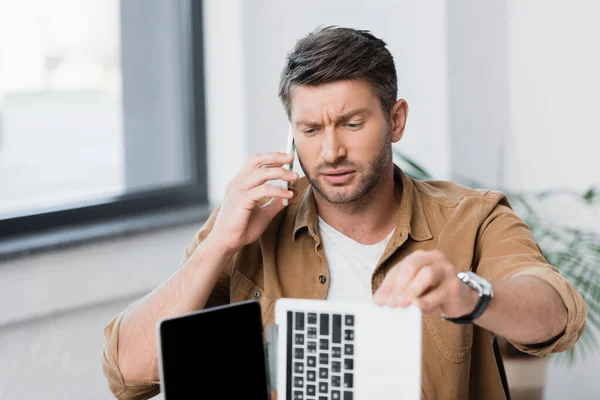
(321, 349)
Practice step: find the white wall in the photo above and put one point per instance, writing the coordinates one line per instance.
(56, 357)
(554, 64)
(225, 100)
(54, 306)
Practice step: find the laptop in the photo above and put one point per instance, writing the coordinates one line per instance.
(316, 350)
(347, 351)
(216, 352)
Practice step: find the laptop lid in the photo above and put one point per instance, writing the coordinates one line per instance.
(217, 350)
(347, 351)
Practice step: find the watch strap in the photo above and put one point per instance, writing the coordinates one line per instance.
(481, 306)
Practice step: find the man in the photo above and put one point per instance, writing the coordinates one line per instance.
(356, 228)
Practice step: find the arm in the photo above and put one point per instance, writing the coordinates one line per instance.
(186, 290)
(524, 309)
(532, 303)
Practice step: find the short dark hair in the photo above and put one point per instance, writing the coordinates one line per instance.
(335, 53)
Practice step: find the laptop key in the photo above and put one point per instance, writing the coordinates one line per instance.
(349, 335)
(348, 363)
(324, 324)
(348, 396)
(311, 347)
(336, 352)
(335, 395)
(298, 395)
(299, 338)
(311, 361)
(311, 390)
(312, 333)
(324, 358)
(298, 382)
(311, 375)
(312, 318)
(335, 381)
(323, 373)
(298, 353)
(348, 380)
(336, 325)
(349, 320)
(299, 321)
(336, 366)
(349, 349)
(323, 387)
(298, 368)
(323, 398)
(324, 344)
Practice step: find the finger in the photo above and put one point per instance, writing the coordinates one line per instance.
(404, 272)
(266, 159)
(399, 276)
(428, 277)
(432, 301)
(262, 175)
(385, 288)
(267, 191)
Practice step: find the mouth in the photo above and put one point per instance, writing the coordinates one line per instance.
(338, 176)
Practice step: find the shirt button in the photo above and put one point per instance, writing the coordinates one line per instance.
(256, 294)
(322, 278)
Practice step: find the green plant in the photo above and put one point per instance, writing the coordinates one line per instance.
(574, 250)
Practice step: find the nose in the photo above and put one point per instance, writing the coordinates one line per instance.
(332, 147)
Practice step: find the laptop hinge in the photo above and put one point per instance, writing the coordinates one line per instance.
(271, 349)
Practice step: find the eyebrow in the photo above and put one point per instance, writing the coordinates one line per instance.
(339, 120)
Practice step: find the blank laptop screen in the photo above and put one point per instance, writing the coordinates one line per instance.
(216, 351)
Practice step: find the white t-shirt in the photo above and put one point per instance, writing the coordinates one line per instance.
(350, 264)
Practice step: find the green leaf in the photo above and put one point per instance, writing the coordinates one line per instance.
(589, 195)
(416, 171)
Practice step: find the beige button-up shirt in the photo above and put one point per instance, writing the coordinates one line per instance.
(475, 229)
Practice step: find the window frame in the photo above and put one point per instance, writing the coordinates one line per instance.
(192, 194)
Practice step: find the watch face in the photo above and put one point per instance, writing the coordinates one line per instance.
(476, 282)
(486, 287)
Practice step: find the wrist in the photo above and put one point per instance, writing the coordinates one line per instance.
(482, 294)
(474, 298)
(217, 244)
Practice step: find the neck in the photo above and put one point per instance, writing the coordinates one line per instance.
(366, 220)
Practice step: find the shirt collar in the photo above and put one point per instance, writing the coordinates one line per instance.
(411, 218)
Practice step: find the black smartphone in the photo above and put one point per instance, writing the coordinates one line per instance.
(214, 353)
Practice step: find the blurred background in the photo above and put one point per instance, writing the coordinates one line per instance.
(121, 123)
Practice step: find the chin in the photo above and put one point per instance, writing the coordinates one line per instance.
(339, 194)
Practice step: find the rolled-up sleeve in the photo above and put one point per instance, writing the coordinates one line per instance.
(506, 249)
(123, 390)
(135, 389)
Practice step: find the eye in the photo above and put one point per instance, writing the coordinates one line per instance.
(309, 131)
(354, 126)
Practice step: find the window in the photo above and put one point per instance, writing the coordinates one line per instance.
(101, 111)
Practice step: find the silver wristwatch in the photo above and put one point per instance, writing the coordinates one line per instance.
(485, 291)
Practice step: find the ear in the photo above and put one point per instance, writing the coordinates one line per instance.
(398, 116)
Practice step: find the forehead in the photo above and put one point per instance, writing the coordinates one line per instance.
(334, 98)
